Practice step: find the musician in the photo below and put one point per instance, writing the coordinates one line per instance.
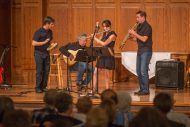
(106, 63)
(144, 53)
(78, 66)
(41, 41)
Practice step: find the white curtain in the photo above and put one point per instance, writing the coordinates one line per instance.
(129, 61)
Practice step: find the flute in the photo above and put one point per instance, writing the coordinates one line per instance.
(90, 36)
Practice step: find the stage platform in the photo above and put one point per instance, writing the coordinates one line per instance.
(26, 98)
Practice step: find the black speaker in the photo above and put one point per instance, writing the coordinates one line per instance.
(169, 74)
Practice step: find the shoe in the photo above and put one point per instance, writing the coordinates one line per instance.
(79, 84)
(39, 91)
(45, 89)
(137, 92)
(143, 93)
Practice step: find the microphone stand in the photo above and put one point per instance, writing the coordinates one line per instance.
(91, 46)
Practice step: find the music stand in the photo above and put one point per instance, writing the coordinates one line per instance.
(83, 56)
(98, 52)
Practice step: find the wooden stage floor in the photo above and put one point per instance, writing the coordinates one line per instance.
(25, 97)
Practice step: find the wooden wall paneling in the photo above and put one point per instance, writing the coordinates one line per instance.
(127, 21)
(105, 1)
(32, 20)
(155, 1)
(130, 1)
(82, 1)
(179, 27)
(58, 1)
(60, 12)
(157, 18)
(180, 1)
(82, 20)
(16, 40)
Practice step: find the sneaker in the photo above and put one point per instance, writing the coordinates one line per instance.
(39, 91)
(45, 89)
(137, 92)
(143, 93)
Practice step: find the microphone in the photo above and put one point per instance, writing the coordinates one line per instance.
(97, 26)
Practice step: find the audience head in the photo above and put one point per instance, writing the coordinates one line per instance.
(109, 107)
(17, 118)
(149, 117)
(109, 94)
(6, 105)
(96, 117)
(84, 104)
(64, 102)
(124, 101)
(50, 97)
(164, 102)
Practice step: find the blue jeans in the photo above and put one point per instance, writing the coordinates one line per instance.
(81, 68)
(142, 67)
(42, 69)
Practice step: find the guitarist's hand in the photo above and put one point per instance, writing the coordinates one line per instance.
(71, 57)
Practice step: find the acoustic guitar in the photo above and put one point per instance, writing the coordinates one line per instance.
(67, 60)
(1, 67)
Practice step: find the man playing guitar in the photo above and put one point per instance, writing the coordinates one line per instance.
(70, 51)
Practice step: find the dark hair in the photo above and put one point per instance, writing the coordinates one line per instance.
(63, 101)
(84, 104)
(50, 96)
(149, 117)
(17, 118)
(6, 105)
(142, 13)
(48, 20)
(163, 101)
(110, 108)
(110, 95)
(107, 23)
(96, 117)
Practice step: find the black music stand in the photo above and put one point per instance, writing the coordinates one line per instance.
(81, 56)
(98, 52)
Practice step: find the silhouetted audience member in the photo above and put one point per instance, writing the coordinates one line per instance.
(17, 118)
(6, 105)
(64, 105)
(176, 116)
(163, 102)
(110, 108)
(149, 117)
(97, 117)
(60, 123)
(110, 95)
(49, 99)
(83, 105)
(123, 109)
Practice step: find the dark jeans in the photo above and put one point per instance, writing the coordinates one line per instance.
(81, 68)
(142, 67)
(42, 69)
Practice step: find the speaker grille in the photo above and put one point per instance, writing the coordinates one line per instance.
(169, 74)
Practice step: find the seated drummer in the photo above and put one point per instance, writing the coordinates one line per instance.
(78, 66)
